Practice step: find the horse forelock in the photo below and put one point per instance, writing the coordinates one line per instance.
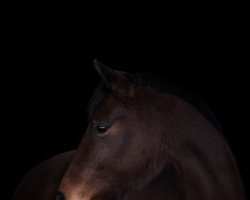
(96, 98)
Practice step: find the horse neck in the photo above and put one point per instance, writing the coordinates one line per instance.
(176, 184)
(164, 185)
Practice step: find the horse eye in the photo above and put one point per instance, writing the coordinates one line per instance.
(101, 129)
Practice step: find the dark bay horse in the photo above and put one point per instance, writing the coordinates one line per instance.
(141, 143)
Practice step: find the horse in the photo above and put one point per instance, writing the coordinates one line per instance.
(142, 142)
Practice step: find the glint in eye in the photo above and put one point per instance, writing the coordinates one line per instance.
(101, 129)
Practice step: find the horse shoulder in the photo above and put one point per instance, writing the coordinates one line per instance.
(42, 181)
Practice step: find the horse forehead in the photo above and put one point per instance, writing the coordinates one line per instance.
(110, 105)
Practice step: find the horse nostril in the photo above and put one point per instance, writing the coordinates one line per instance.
(60, 196)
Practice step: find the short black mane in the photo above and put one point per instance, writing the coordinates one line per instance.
(162, 84)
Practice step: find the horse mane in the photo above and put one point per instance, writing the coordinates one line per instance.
(159, 83)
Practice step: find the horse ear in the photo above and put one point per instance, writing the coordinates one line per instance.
(115, 80)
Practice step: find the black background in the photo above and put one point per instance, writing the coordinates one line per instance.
(48, 77)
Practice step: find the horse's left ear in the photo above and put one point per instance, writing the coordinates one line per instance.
(118, 81)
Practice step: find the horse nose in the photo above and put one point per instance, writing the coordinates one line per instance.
(60, 196)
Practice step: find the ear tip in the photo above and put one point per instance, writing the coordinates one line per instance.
(96, 63)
